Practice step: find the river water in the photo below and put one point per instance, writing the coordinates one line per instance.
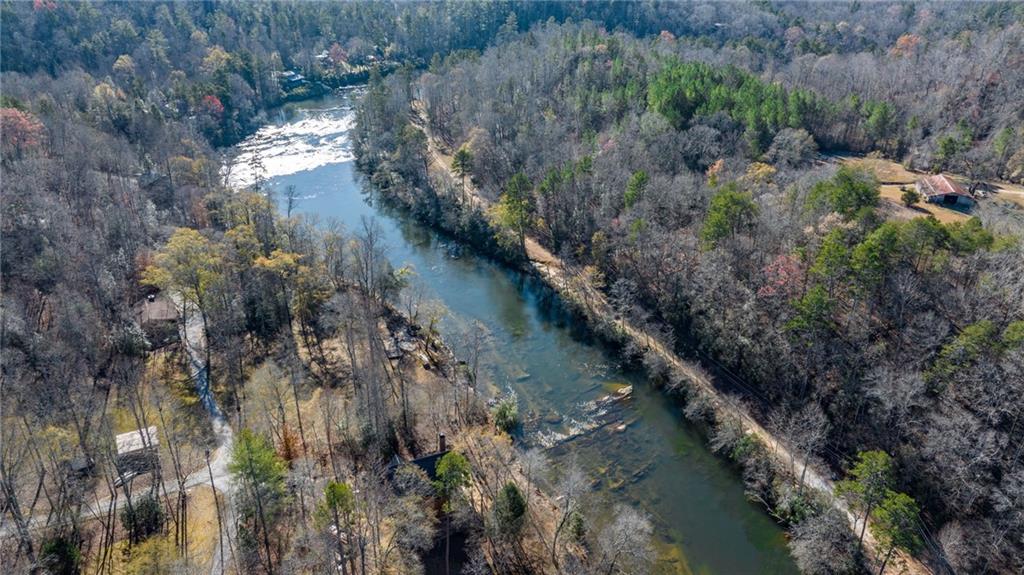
(703, 522)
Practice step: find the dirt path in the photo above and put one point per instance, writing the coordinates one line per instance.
(558, 275)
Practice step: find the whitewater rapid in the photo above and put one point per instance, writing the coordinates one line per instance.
(318, 139)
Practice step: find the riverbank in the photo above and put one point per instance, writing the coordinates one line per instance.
(715, 410)
(433, 367)
(398, 350)
(640, 454)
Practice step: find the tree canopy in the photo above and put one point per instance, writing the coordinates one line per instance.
(730, 212)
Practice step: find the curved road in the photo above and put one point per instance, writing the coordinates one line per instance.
(194, 339)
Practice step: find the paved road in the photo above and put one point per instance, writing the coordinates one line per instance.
(194, 338)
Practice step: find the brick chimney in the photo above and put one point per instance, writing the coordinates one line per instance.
(442, 444)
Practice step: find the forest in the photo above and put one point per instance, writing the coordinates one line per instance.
(274, 405)
(674, 154)
(691, 188)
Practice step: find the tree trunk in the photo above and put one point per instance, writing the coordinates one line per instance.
(341, 547)
(447, 544)
(803, 475)
(216, 502)
(864, 526)
(298, 414)
(611, 565)
(886, 560)
(262, 517)
(554, 540)
(22, 524)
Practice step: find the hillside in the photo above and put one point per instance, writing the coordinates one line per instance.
(195, 379)
(844, 331)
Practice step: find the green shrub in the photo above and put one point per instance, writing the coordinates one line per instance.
(61, 556)
(730, 212)
(577, 526)
(506, 414)
(849, 192)
(747, 446)
(143, 519)
(909, 196)
(509, 509)
(794, 505)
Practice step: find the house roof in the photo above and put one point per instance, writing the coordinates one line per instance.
(160, 309)
(428, 463)
(940, 185)
(136, 440)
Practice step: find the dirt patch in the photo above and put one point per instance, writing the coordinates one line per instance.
(1011, 193)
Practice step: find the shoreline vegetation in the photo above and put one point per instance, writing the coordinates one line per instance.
(656, 165)
(728, 425)
(380, 435)
(688, 192)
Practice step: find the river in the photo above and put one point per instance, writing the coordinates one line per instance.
(703, 522)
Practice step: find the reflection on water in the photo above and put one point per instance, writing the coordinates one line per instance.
(638, 451)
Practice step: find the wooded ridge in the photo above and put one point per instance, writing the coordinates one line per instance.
(778, 268)
(666, 166)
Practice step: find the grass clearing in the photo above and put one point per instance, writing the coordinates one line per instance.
(892, 194)
(202, 526)
(887, 171)
(892, 176)
(1008, 193)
